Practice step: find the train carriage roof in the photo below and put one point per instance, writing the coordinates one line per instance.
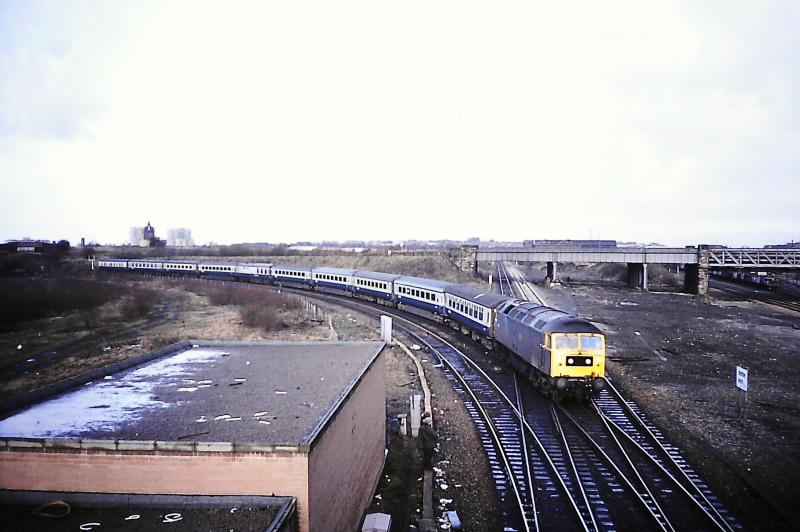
(377, 276)
(218, 263)
(475, 295)
(421, 282)
(294, 267)
(334, 271)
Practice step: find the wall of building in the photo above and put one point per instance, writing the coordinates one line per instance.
(346, 460)
(206, 473)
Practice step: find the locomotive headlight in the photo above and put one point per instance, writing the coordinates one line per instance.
(588, 361)
(570, 361)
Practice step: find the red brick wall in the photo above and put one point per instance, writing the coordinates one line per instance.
(347, 459)
(284, 474)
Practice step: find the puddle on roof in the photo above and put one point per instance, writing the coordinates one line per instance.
(103, 406)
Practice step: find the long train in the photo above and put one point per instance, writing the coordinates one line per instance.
(560, 352)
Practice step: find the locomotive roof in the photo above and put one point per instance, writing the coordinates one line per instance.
(571, 324)
(555, 320)
(421, 282)
(378, 276)
(334, 271)
(481, 297)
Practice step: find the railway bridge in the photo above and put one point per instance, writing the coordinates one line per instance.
(695, 260)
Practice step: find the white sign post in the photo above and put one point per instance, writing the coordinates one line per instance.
(386, 329)
(741, 387)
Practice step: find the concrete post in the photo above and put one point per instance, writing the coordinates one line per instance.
(644, 277)
(416, 414)
(386, 329)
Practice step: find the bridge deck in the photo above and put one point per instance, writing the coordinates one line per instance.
(716, 257)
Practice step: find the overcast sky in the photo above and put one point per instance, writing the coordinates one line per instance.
(670, 122)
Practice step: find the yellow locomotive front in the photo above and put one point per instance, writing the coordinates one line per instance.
(577, 357)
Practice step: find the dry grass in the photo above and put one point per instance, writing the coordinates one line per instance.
(258, 308)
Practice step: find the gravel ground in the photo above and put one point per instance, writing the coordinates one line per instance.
(463, 482)
(676, 357)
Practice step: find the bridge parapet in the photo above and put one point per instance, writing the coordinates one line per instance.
(753, 258)
(573, 254)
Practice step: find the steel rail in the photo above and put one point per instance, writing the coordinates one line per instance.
(502, 275)
(527, 456)
(568, 449)
(524, 513)
(665, 527)
(539, 443)
(754, 295)
(714, 514)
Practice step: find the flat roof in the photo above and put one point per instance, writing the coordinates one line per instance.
(270, 393)
(112, 511)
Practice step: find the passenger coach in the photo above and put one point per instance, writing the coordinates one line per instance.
(473, 308)
(334, 280)
(376, 286)
(226, 270)
(285, 274)
(254, 272)
(420, 293)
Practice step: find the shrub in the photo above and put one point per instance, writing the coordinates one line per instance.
(34, 298)
(139, 302)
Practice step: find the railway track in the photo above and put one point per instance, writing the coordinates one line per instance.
(593, 467)
(568, 467)
(516, 285)
(506, 287)
(753, 294)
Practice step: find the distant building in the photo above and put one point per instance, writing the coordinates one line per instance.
(145, 237)
(788, 245)
(180, 237)
(583, 244)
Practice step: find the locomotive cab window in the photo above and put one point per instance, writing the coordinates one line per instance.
(591, 342)
(566, 341)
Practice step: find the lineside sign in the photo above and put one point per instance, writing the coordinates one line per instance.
(741, 378)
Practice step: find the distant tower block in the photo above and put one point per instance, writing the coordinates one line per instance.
(180, 237)
(149, 232)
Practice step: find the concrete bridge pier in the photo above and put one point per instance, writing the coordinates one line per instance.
(552, 272)
(637, 275)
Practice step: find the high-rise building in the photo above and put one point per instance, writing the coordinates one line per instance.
(180, 237)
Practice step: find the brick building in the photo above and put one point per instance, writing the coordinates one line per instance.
(305, 420)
